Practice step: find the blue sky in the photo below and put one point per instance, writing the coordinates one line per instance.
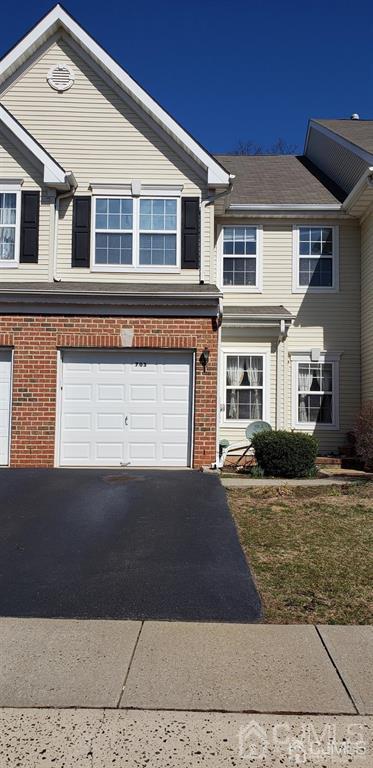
(231, 71)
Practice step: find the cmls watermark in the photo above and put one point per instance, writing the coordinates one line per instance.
(304, 742)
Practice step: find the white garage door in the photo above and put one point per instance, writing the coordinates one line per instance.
(124, 407)
(5, 399)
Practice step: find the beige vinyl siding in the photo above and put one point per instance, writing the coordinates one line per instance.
(15, 165)
(91, 131)
(367, 308)
(338, 162)
(328, 321)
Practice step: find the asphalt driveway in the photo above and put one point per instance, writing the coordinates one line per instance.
(135, 544)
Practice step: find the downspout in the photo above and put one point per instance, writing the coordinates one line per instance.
(73, 185)
(203, 205)
(218, 382)
(279, 350)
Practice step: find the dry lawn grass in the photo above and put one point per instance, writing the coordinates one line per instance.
(311, 551)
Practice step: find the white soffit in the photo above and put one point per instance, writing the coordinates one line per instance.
(59, 18)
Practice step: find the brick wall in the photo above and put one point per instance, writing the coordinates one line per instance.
(36, 339)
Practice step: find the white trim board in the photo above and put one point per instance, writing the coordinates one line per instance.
(54, 174)
(59, 18)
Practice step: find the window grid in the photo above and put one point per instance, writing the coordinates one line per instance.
(158, 229)
(8, 226)
(131, 232)
(240, 256)
(315, 393)
(315, 257)
(244, 387)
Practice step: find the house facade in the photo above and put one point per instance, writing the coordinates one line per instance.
(155, 299)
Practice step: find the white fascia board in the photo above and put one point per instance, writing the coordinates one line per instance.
(53, 173)
(359, 187)
(58, 17)
(354, 148)
(284, 207)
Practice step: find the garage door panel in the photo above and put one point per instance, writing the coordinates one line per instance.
(134, 405)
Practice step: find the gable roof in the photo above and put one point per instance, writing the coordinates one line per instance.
(280, 180)
(358, 132)
(58, 18)
(54, 174)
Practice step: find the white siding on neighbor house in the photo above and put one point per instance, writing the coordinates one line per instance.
(338, 162)
(92, 132)
(367, 309)
(15, 165)
(328, 321)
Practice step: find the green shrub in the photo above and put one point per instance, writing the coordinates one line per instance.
(285, 454)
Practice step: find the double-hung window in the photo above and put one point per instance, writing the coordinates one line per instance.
(241, 257)
(114, 232)
(158, 232)
(315, 258)
(9, 227)
(316, 393)
(244, 387)
(136, 233)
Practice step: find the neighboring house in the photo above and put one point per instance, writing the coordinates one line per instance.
(155, 298)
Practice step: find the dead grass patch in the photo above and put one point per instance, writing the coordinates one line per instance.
(310, 550)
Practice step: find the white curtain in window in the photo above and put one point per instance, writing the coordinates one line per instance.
(235, 374)
(253, 371)
(304, 385)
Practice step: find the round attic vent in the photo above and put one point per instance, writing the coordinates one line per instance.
(60, 77)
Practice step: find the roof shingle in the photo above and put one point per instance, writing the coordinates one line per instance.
(279, 179)
(358, 132)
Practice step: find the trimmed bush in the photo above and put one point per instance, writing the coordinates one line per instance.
(285, 454)
(364, 435)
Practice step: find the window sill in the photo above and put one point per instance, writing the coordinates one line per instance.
(9, 265)
(312, 426)
(136, 270)
(241, 289)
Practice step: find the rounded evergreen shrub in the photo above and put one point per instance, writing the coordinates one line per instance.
(285, 454)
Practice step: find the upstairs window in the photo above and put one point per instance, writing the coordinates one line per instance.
(132, 233)
(158, 229)
(9, 228)
(240, 257)
(316, 258)
(114, 232)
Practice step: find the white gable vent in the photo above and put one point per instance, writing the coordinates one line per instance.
(60, 77)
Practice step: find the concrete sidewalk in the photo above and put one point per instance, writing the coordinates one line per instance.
(264, 669)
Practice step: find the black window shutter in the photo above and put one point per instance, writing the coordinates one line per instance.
(190, 226)
(81, 232)
(29, 228)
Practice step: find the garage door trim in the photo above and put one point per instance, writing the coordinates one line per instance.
(59, 397)
(10, 351)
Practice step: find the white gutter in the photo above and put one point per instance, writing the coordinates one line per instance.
(284, 207)
(73, 185)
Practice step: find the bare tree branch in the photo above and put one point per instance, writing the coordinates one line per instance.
(279, 147)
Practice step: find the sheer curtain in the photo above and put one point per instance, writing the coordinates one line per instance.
(304, 385)
(254, 372)
(235, 374)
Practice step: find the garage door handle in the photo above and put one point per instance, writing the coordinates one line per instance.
(126, 421)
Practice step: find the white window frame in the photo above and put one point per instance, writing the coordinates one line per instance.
(136, 266)
(258, 287)
(297, 288)
(311, 426)
(13, 189)
(246, 352)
